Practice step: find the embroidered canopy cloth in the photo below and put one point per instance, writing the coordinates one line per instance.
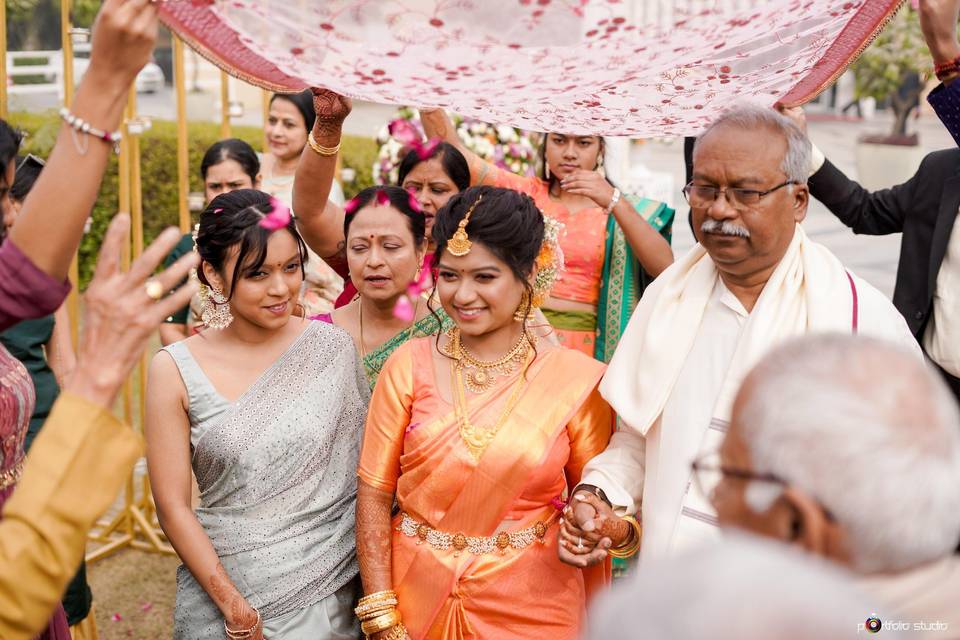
(611, 67)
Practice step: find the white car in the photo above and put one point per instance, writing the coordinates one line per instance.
(149, 80)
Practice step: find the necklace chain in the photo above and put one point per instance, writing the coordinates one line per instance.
(363, 349)
(478, 438)
(482, 375)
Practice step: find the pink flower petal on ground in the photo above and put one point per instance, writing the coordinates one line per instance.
(116, 617)
(424, 151)
(404, 132)
(414, 203)
(403, 310)
(146, 606)
(382, 198)
(278, 218)
(351, 206)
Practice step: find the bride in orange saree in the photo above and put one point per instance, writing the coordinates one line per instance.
(477, 434)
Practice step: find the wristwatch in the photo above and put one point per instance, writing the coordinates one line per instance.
(595, 490)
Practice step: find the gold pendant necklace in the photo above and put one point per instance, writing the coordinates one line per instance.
(480, 376)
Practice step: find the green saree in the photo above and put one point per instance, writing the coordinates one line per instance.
(373, 362)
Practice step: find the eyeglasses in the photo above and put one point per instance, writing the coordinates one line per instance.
(702, 196)
(31, 160)
(708, 477)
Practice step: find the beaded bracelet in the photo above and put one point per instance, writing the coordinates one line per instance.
(79, 125)
(944, 70)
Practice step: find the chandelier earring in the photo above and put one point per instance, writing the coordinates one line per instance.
(215, 309)
(525, 310)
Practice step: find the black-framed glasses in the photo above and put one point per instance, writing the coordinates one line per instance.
(702, 196)
(31, 160)
(709, 476)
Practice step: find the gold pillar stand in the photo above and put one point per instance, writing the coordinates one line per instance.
(135, 524)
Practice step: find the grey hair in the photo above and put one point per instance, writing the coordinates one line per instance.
(742, 588)
(746, 115)
(869, 431)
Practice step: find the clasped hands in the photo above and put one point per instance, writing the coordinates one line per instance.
(588, 528)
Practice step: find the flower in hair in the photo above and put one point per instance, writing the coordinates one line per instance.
(550, 261)
(216, 211)
(425, 151)
(351, 206)
(382, 198)
(278, 218)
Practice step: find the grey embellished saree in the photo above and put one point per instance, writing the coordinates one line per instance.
(277, 477)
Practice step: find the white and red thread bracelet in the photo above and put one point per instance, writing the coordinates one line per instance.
(79, 125)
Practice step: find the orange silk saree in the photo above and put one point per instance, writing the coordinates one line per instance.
(412, 447)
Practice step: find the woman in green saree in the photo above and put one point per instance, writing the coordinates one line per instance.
(384, 230)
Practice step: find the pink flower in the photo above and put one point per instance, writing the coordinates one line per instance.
(424, 151)
(414, 203)
(351, 206)
(278, 218)
(405, 132)
(423, 283)
(116, 617)
(146, 606)
(215, 211)
(382, 198)
(403, 310)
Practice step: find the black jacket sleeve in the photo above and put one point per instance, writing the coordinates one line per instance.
(873, 213)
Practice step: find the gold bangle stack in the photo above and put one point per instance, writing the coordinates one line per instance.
(321, 150)
(632, 544)
(378, 612)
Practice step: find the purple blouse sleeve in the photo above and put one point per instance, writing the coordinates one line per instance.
(945, 100)
(26, 292)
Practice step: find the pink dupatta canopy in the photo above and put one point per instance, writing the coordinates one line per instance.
(641, 68)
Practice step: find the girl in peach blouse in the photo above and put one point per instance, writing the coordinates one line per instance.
(613, 245)
(476, 434)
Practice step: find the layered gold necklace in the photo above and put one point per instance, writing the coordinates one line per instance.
(479, 375)
(478, 437)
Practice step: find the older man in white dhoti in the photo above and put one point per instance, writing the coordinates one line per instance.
(754, 280)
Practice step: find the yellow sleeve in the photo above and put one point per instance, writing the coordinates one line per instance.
(387, 420)
(73, 472)
(589, 431)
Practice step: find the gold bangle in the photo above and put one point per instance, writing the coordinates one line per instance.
(379, 595)
(630, 547)
(381, 623)
(399, 632)
(373, 610)
(321, 150)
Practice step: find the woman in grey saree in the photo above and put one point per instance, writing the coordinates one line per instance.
(270, 551)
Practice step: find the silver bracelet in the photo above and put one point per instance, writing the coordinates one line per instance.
(79, 125)
(613, 200)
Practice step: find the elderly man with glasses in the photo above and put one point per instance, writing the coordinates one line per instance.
(755, 280)
(849, 448)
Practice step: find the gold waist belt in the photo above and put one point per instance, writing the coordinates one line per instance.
(477, 545)
(10, 477)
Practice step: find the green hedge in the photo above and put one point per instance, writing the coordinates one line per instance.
(159, 171)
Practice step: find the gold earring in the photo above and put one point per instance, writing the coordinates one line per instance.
(525, 310)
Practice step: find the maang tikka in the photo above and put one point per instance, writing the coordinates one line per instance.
(459, 243)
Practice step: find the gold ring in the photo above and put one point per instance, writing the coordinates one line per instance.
(153, 288)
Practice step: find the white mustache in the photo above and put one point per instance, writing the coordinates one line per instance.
(725, 228)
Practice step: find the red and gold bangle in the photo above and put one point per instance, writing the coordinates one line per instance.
(945, 70)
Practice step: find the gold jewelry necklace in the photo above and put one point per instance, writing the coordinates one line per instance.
(481, 375)
(363, 351)
(478, 438)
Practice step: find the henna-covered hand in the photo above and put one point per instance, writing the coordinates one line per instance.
(374, 537)
(331, 109)
(237, 611)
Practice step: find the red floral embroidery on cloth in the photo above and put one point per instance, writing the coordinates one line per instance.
(608, 67)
